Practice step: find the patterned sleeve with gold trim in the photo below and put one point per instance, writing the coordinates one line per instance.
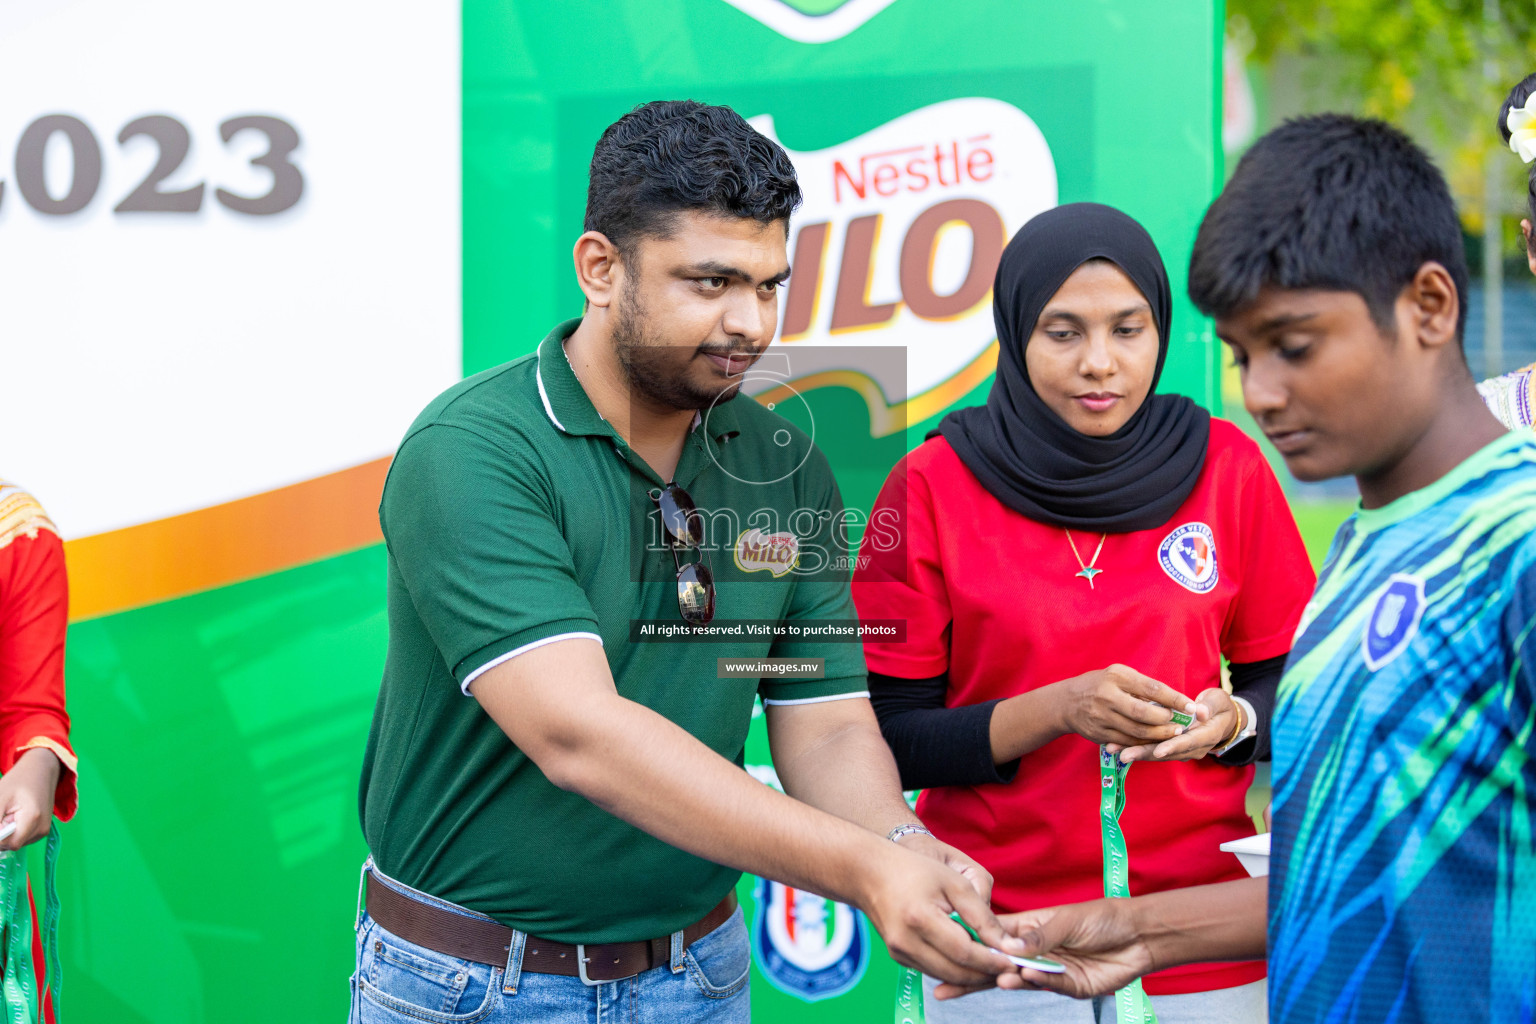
(1511, 398)
(21, 515)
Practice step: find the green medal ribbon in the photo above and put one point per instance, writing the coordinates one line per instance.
(1132, 1006)
(23, 1003)
(909, 996)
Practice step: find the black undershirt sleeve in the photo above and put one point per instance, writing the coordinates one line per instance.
(1256, 682)
(936, 745)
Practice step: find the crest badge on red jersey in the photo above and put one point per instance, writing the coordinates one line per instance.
(1188, 556)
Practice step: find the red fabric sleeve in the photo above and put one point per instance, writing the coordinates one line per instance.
(900, 575)
(1277, 578)
(34, 611)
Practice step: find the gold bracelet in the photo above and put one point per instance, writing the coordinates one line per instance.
(1237, 729)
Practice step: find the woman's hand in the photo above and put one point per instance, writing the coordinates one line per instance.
(26, 797)
(1114, 705)
(1216, 720)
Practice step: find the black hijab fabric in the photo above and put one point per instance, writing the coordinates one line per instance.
(1025, 454)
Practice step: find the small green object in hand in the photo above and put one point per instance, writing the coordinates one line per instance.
(1038, 963)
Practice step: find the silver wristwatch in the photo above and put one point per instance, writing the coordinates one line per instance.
(900, 832)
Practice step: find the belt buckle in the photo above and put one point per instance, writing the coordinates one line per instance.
(581, 970)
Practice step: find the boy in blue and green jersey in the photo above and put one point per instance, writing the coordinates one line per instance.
(1403, 867)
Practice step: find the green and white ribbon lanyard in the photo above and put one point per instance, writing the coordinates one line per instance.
(23, 1003)
(909, 996)
(1132, 1006)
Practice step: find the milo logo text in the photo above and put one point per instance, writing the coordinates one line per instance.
(778, 553)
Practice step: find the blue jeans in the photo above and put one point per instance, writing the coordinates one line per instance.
(399, 982)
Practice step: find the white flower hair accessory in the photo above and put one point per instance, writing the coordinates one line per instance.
(1521, 122)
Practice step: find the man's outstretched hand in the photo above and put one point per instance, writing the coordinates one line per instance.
(909, 900)
(956, 860)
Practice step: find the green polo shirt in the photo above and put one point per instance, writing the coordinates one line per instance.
(514, 515)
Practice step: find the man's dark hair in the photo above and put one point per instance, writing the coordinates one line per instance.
(668, 156)
(1329, 202)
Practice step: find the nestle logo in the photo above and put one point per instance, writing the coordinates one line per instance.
(915, 168)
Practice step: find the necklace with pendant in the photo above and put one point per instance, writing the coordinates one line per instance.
(1087, 572)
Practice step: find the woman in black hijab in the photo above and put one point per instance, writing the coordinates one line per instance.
(1027, 454)
(1075, 559)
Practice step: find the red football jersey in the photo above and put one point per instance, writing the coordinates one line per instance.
(992, 598)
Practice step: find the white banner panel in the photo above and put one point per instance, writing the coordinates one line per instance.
(229, 245)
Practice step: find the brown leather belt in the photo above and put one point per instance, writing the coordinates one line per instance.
(487, 942)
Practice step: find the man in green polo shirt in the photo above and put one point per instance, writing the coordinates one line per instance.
(554, 804)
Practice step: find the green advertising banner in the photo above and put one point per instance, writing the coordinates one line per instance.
(222, 384)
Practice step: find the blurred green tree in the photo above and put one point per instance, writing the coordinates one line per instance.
(1391, 48)
(1439, 68)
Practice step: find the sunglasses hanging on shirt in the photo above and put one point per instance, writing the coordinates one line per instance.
(682, 529)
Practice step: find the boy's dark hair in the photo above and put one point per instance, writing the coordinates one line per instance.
(1330, 202)
(668, 156)
(1516, 98)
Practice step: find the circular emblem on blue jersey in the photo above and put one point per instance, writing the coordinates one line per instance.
(1188, 556)
(1394, 620)
(806, 945)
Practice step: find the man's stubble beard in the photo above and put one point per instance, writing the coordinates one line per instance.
(650, 365)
